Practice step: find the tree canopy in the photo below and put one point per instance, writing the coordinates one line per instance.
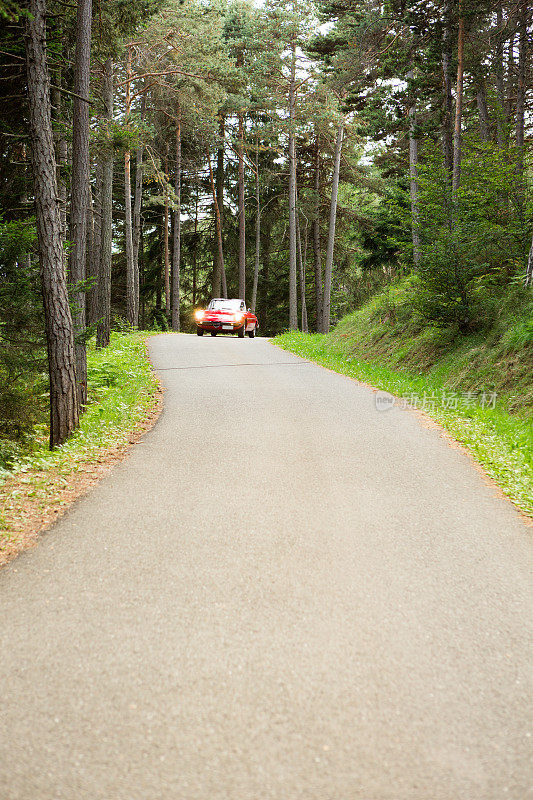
(299, 154)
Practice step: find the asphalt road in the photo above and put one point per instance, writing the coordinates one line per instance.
(281, 594)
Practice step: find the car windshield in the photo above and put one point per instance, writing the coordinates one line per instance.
(226, 305)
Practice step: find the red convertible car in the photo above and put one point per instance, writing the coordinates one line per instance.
(226, 316)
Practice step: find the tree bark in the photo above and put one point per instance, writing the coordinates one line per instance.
(521, 104)
(293, 302)
(64, 410)
(265, 273)
(257, 228)
(80, 188)
(141, 278)
(95, 212)
(242, 214)
(165, 242)
(222, 266)
(103, 331)
(510, 81)
(218, 267)
(301, 270)
(132, 306)
(61, 149)
(328, 269)
(413, 175)
(137, 205)
(218, 224)
(176, 242)
(457, 133)
(529, 269)
(447, 134)
(194, 242)
(160, 263)
(317, 262)
(93, 255)
(499, 76)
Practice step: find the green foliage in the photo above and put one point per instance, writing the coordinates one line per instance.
(122, 388)
(470, 243)
(390, 327)
(117, 19)
(11, 11)
(204, 63)
(110, 134)
(22, 355)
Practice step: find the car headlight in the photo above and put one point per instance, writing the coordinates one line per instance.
(199, 315)
(238, 317)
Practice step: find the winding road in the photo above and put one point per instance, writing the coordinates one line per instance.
(282, 593)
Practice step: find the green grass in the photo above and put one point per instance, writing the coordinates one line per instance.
(500, 441)
(122, 390)
(496, 356)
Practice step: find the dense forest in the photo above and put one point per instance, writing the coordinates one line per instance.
(298, 154)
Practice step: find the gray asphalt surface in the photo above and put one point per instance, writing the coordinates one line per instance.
(282, 593)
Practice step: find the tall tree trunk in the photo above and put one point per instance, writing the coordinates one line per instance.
(499, 76)
(90, 245)
(328, 269)
(165, 241)
(61, 148)
(529, 269)
(62, 185)
(293, 302)
(306, 242)
(218, 224)
(137, 204)
(242, 214)
(257, 227)
(176, 243)
(93, 255)
(194, 248)
(457, 132)
(265, 273)
(80, 188)
(132, 306)
(160, 262)
(141, 278)
(224, 282)
(317, 262)
(413, 174)
(103, 331)
(301, 270)
(95, 250)
(510, 92)
(521, 104)
(64, 410)
(447, 134)
(218, 266)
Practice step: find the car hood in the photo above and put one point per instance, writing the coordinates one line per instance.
(221, 315)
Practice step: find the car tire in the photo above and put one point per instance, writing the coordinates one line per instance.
(199, 331)
(241, 331)
(251, 333)
(214, 333)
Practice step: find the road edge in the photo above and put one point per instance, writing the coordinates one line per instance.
(428, 421)
(39, 515)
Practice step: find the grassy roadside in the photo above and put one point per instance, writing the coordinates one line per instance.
(501, 442)
(123, 402)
